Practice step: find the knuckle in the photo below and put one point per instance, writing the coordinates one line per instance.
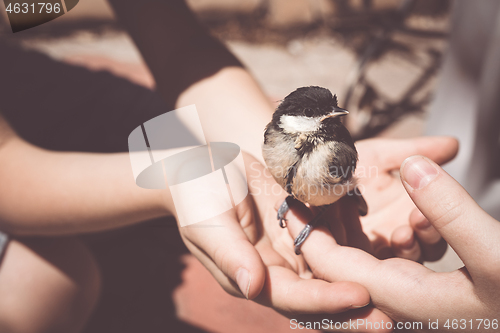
(448, 208)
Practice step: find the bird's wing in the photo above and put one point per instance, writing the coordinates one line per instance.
(290, 176)
(266, 132)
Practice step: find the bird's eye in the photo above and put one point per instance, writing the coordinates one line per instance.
(308, 112)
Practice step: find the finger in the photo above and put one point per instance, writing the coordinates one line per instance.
(423, 228)
(224, 242)
(224, 281)
(449, 208)
(349, 216)
(439, 148)
(432, 245)
(404, 244)
(287, 292)
(386, 280)
(330, 218)
(325, 256)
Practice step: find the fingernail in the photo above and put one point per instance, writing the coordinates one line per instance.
(359, 306)
(243, 280)
(418, 172)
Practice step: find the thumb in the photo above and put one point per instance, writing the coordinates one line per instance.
(470, 231)
(223, 247)
(234, 263)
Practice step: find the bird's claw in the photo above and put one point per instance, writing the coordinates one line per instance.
(282, 212)
(301, 238)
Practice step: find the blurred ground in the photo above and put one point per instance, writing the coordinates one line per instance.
(279, 69)
(285, 44)
(292, 43)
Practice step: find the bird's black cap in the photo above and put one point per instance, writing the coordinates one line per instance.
(307, 101)
(316, 101)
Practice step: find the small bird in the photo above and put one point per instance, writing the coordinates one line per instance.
(310, 153)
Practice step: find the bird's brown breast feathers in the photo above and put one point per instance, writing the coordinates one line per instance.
(313, 183)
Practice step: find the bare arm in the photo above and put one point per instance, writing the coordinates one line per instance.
(191, 67)
(54, 193)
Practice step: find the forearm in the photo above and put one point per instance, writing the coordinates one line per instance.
(54, 193)
(191, 67)
(238, 113)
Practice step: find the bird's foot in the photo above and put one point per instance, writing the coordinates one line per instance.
(284, 208)
(301, 238)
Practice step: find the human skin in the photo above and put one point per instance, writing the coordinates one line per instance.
(251, 241)
(192, 67)
(408, 291)
(175, 46)
(47, 285)
(233, 249)
(73, 193)
(96, 192)
(386, 226)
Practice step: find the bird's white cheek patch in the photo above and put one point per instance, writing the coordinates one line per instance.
(299, 124)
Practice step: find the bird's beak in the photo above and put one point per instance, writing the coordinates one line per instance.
(335, 113)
